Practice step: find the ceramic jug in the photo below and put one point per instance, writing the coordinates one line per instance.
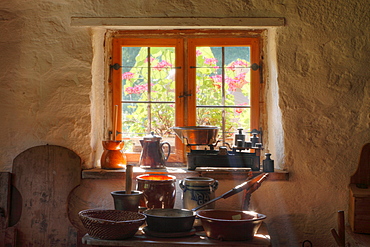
(152, 154)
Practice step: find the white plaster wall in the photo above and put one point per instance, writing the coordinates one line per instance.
(50, 94)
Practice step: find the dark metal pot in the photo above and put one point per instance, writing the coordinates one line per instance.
(169, 220)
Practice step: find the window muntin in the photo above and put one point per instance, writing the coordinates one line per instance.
(184, 74)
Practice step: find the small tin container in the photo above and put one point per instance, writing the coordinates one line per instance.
(197, 191)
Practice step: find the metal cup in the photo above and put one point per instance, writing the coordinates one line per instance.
(127, 202)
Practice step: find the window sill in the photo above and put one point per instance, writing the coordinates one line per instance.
(98, 173)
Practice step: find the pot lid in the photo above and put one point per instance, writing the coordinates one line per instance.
(152, 137)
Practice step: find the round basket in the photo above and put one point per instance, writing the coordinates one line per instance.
(111, 224)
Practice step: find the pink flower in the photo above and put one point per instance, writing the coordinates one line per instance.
(210, 61)
(237, 63)
(163, 64)
(138, 89)
(198, 53)
(240, 110)
(151, 59)
(127, 76)
(216, 78)
(237, 82)
(129, 90)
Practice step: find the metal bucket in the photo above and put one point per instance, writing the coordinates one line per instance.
(197, 191)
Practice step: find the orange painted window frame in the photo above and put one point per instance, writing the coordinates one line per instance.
(185, 45)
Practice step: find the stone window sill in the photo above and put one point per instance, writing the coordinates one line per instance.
(98, 173)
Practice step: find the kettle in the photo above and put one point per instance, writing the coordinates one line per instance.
(152, 154)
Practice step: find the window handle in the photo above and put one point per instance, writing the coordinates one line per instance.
(185, 95)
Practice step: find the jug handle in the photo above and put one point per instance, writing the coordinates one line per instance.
(169, 149)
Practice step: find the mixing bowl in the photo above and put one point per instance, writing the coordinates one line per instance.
(230, 225)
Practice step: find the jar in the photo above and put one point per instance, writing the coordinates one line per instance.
(197, 191)
(159, 190)
(113, 157)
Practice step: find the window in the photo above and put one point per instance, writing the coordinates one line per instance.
(187, 78)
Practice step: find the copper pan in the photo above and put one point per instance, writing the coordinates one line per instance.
(197, 135)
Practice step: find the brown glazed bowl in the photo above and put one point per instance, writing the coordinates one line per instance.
(230, 225)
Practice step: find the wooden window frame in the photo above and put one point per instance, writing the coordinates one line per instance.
(184, 40)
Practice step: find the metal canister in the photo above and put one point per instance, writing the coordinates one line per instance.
(197, 191)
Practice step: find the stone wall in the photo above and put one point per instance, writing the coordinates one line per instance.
(51, 93)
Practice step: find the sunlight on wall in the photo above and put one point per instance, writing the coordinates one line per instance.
(275, 128)
(98, 102)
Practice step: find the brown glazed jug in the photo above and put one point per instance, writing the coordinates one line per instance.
(113, 156)
(152, 154)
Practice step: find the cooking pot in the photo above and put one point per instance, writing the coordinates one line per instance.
(169, 220)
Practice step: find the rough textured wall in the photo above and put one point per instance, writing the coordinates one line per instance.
(47, 94)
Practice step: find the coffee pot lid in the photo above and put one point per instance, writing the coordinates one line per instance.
(152, 137)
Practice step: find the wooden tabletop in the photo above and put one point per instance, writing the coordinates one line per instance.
(199, 239)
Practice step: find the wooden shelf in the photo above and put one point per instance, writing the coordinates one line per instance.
(262, 238)
(98, 173)
(193, 22)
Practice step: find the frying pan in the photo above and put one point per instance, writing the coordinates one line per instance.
(181, 220)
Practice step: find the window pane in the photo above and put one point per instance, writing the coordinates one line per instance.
(208, 76)
(148, 75)
(139, 119)
(234, 118)
(134, 73)
(223, 79)
(163, 73)
(237, 75)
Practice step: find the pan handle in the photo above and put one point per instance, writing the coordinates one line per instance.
(246, 185)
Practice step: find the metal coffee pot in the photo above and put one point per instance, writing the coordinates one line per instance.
(152, 154)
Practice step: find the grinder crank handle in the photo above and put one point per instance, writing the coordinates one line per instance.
(256, 185)
(244, 186)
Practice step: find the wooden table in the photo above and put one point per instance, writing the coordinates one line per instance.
(261, 239)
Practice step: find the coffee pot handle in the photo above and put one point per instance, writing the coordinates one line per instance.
(169, 149)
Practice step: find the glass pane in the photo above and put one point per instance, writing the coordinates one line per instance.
(162, 73)
(234, 118)
(237, 75)
(135, 73)
(139, 119)
(208, 76)
(148, 74)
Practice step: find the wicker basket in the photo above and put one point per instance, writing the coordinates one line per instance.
(111, 224)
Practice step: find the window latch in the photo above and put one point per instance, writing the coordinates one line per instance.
(115, 66)
(255, 67)
(185, 95)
